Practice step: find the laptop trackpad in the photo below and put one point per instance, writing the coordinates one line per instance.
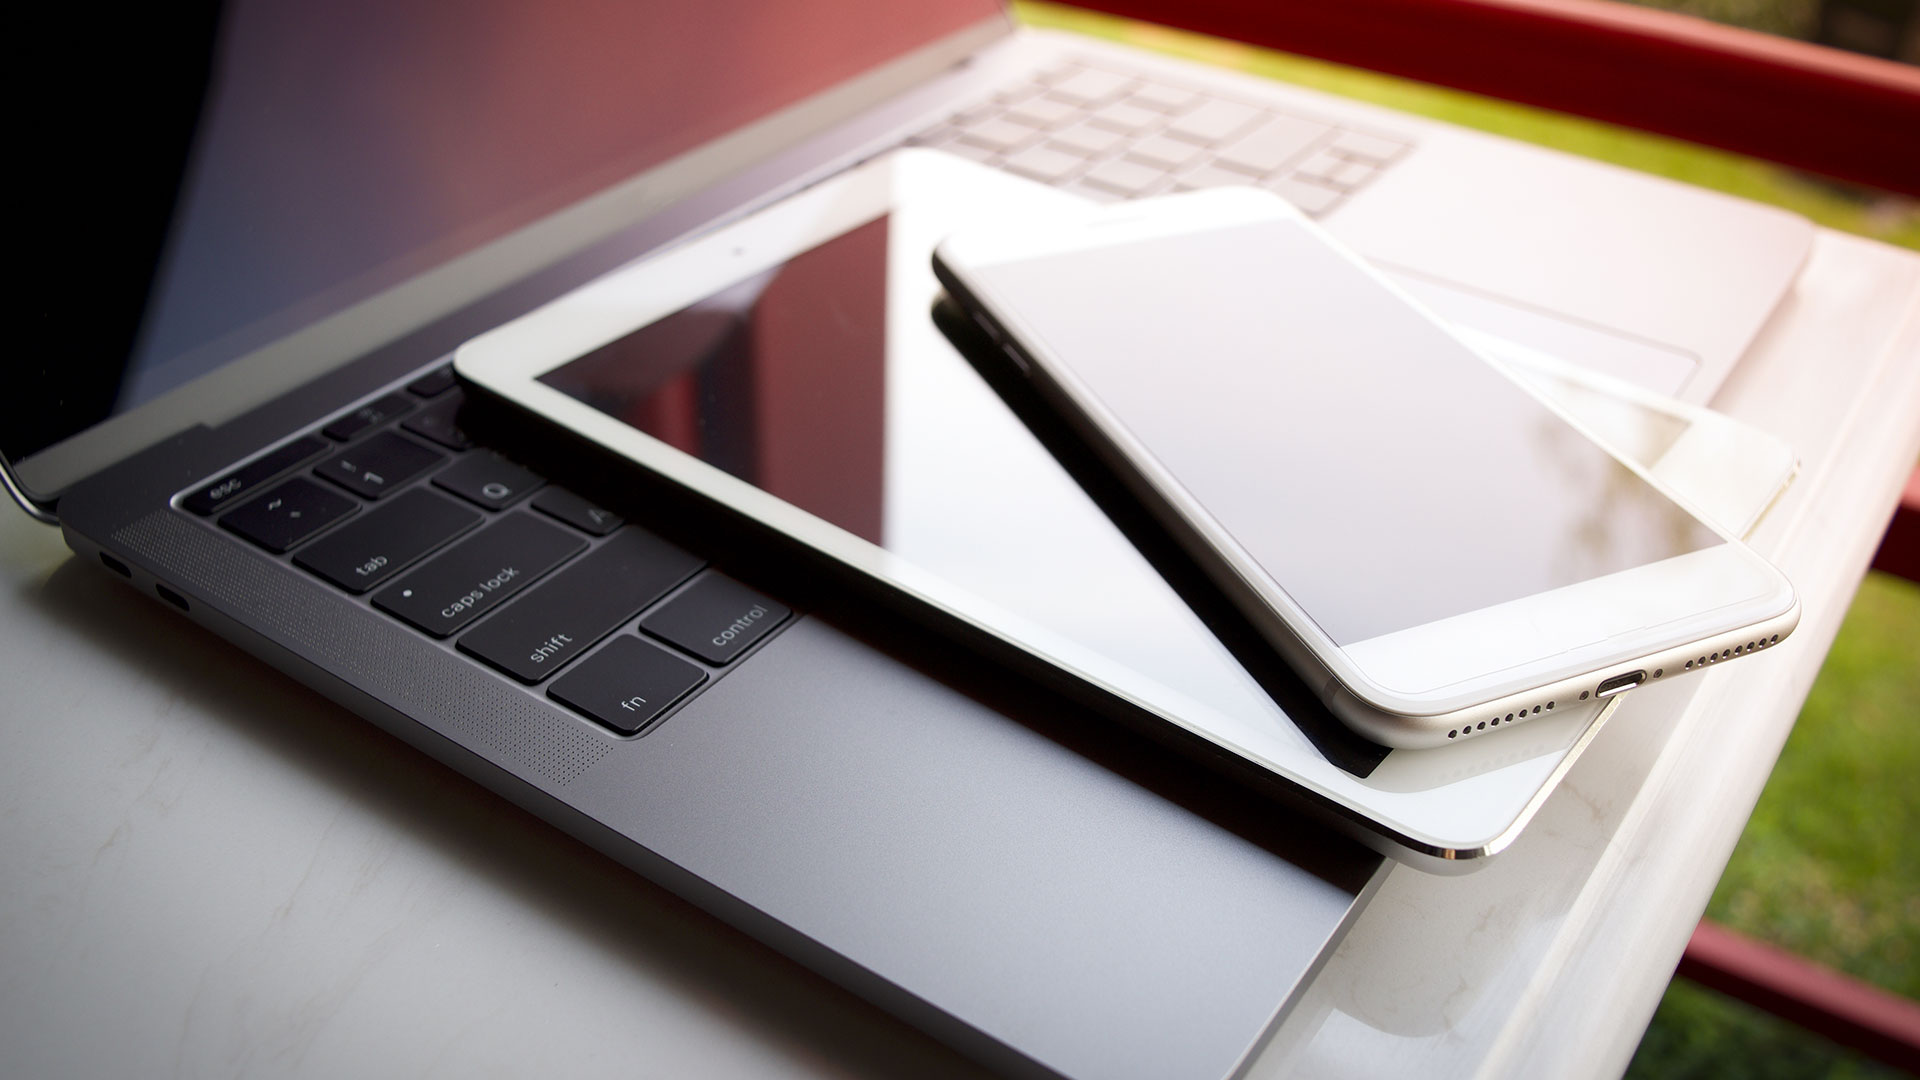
(1660, 368)
(1605, 252)
(934, 843)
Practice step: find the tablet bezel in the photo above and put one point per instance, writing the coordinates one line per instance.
(1456, 811)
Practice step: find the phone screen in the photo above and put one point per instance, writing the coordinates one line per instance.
(824, 382)
(1381, 473)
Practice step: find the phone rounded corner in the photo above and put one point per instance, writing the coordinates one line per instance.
(1781, 600)
(1391, 722)
(1788, 620)
(942, 258)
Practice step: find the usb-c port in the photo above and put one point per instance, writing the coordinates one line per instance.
(1620, 682)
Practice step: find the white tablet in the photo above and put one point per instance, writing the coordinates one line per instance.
(788, 366)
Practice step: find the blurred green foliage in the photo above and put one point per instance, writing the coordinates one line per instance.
(1700, 1035)
(1787, 18)
(1829, 864)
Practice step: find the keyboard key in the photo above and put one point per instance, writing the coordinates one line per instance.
(1320, 164)
(227, 490)
(432, 384)
(1045, 164)
(288, 514)
(1335, 171)
(1090, 87)
(472, 577)
(1018, 92)
(578, 606)
(971, 152)
(1043, 112)
(627, 684)
(367, 552)
(999, 135)
(1164, 98)
(715, 619)
(1086, 139)
(1214, 121)
(975, 113)
(1125, 177)
(488, 480)
(1274, 143)
(1357, 144)
(1312, 199)
(1126, 119)
(437, 423)
(1164, 152)
(366, 416)
(576, 511)
(379, 465)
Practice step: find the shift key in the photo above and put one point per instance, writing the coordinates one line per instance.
(580, 605)
(474, 576)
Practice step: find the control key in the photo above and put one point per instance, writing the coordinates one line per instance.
(716, 618)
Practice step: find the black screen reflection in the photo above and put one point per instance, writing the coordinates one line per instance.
(779, 380)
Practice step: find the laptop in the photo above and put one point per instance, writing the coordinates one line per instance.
(354, 189)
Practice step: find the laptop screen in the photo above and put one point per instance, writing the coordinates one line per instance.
(345, 147)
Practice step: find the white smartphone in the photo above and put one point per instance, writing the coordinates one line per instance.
(784, 367)
(1404, 522)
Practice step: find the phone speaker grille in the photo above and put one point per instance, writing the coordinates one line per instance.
(1499, 720)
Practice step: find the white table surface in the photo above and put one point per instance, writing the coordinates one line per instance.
(206, 869)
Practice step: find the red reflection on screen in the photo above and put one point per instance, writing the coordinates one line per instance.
(352, 143)
(779, 379)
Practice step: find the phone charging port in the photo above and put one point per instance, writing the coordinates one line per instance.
(1621, 682)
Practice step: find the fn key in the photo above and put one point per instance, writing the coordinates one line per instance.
(627, 684)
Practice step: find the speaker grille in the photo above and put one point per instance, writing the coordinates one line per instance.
(421, 680)
(1500, 720)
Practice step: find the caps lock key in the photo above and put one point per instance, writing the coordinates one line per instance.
(474, 576)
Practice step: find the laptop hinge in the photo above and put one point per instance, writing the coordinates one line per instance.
(43, 514)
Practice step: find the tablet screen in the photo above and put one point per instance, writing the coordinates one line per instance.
(780, 379)
(795, 353)
(822, 381)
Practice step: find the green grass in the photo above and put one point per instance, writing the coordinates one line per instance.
(1700, 1035)
(1829, 865)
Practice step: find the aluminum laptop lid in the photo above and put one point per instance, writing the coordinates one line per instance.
(1069, 824)
(248, 215)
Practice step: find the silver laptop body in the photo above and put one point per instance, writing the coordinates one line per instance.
(977, 914)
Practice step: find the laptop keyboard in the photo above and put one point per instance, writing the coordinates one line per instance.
(1110, 134)
(392, 503)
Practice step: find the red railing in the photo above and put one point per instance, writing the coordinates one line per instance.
(1899, 552)
(1850, 117)
(1825, 1002)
